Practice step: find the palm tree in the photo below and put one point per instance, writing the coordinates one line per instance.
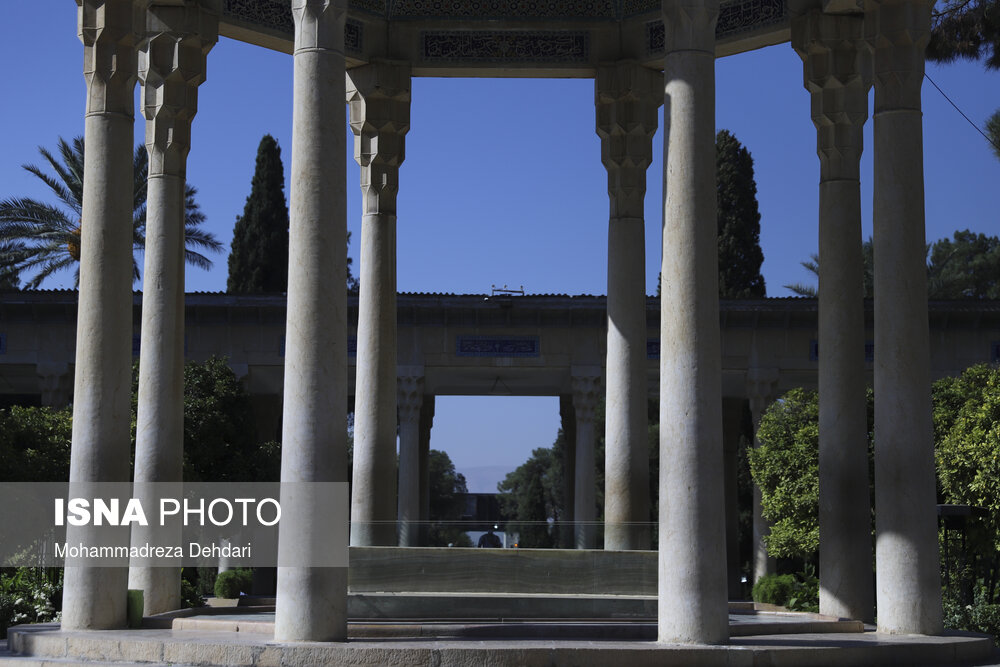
(36, 236)
(812, 266)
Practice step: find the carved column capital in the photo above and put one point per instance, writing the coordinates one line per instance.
(409, 397)
(627, 97)
(897, 33)
(690, 25)
(587, 392)
(837, 74)
(109, 30)
(177, 40)
(379, 99)
(319, 24)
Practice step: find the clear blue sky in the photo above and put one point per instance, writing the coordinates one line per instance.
(502, 181)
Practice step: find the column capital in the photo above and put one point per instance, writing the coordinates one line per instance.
(110, 30)
(837, 73)
(175, 45)
(319, 24)
(587, 392)
(897, 33)
(690, 25)
(627, 96)
(409, 397)
(379, 99)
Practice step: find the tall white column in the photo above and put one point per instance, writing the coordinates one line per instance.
(627, 97)
(411, 396)
(94, 597)
(692, 555)
(908, 586)
(171, 67)
(379, 97)
(761, 383)
(838, 75)
(311, 602)
(586, 394)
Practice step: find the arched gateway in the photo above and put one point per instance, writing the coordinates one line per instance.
(642, 55)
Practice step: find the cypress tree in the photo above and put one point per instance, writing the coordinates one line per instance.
(740, 256)
(258, 262)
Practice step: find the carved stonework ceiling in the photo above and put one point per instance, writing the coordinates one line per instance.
(275, 17)
(505, 9)
(507, 46)
(735, 18)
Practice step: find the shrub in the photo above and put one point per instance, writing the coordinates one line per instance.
(233, 583)
(795, 592)
(980, 616)
(29, 595)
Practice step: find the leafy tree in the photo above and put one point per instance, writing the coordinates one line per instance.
(35, 444)
(966, 268)
(967, 29)
(46, 238)
(528, 497)
(786, 468)
(812, 266)
(446, 505)
(740, 256)
(258, 261)
(220, 442)
(993, 132)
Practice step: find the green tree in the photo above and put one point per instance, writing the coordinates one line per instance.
(45, 238)
(446, 503)
(740, 256)
(220, 441)
(967, 431)
(993, 132)
(258, 261)
(966, 29)
(528, 498)
(9, 279)
(966, 268)
(786, 469)
(35, 444)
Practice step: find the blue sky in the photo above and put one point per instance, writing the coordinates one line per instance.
(502, 182)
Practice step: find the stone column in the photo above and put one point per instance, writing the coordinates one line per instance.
(94, 597)
(312, 601)
(761, 383)
(567, 536)
(692, 556)
(410, 399)
(379, 97)
(171, 67)
(908, 587)
(838, 76)
(426, 423)
(627, 97)
(586, 394)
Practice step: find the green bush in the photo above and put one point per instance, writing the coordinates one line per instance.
(980, 616)
(231, 583)
(29, 595)
(795, 592)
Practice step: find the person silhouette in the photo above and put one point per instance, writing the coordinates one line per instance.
(489, 540)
